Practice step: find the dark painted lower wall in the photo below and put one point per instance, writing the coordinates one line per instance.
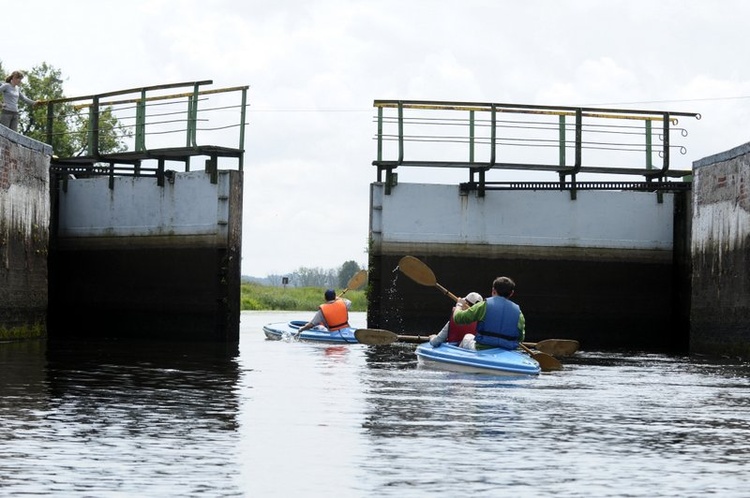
(605, 304)
(23, 284)
(167, 293)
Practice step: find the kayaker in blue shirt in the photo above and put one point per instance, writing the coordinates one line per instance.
(500, 322)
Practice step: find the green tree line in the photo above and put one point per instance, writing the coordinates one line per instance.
(303, 289)
(316, 277)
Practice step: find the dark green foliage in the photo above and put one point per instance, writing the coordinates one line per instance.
(69, 137)
(346, 272)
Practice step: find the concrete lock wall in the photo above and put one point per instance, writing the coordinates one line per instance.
(601, 269)
(720, 316)
(24, 234)
(144, 261)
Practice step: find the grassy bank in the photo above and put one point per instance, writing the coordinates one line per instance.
(34, 331)
(263, 297)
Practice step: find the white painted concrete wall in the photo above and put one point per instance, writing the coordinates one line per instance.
(426, 213)
(191, 205)
(24, 184)
(721, 210)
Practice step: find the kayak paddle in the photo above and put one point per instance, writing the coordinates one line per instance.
(548, 362)
(555, 347)
(355, 282)
(421, 274)
(375, 337)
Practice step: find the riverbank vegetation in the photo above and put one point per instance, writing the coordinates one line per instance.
(262, 297)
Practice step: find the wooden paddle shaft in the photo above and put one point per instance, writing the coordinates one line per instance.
(446, 292)
(423, 338)
(413, 338)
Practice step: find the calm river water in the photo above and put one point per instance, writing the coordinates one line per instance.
(288, 419)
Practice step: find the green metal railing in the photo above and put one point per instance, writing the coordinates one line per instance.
(525, 137)
(210, 122)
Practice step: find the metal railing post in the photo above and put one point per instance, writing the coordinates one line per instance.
(562, 143)
(140, 123)
(400, 132)
(243, 114)
(93, 135)
(380, 135)
(192, 117)
(666, 142)
(50, 122)
(471, 136)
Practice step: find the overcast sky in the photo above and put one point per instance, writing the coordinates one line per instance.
(315, 67)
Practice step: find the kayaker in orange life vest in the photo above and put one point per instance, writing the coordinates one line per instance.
(453, 332)
(333, 314)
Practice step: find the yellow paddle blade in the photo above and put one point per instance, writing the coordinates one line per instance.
(417, 271)
(557, 347)
(375, 337)
(546, 362)
(357, 280)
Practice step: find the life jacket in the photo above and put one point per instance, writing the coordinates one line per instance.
(335, 315)
(500, 325)
(456, 332)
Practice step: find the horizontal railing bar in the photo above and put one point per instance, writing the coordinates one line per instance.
(502, 107)
(132, 90)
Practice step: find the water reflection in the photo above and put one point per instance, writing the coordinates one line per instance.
(22, 377)
(175, 381)
(98, 416)
(395, 356)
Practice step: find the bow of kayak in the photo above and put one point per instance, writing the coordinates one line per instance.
(488, 361)
(281, 330)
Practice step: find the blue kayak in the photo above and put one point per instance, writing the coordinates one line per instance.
(319, 333)
(494, 361)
